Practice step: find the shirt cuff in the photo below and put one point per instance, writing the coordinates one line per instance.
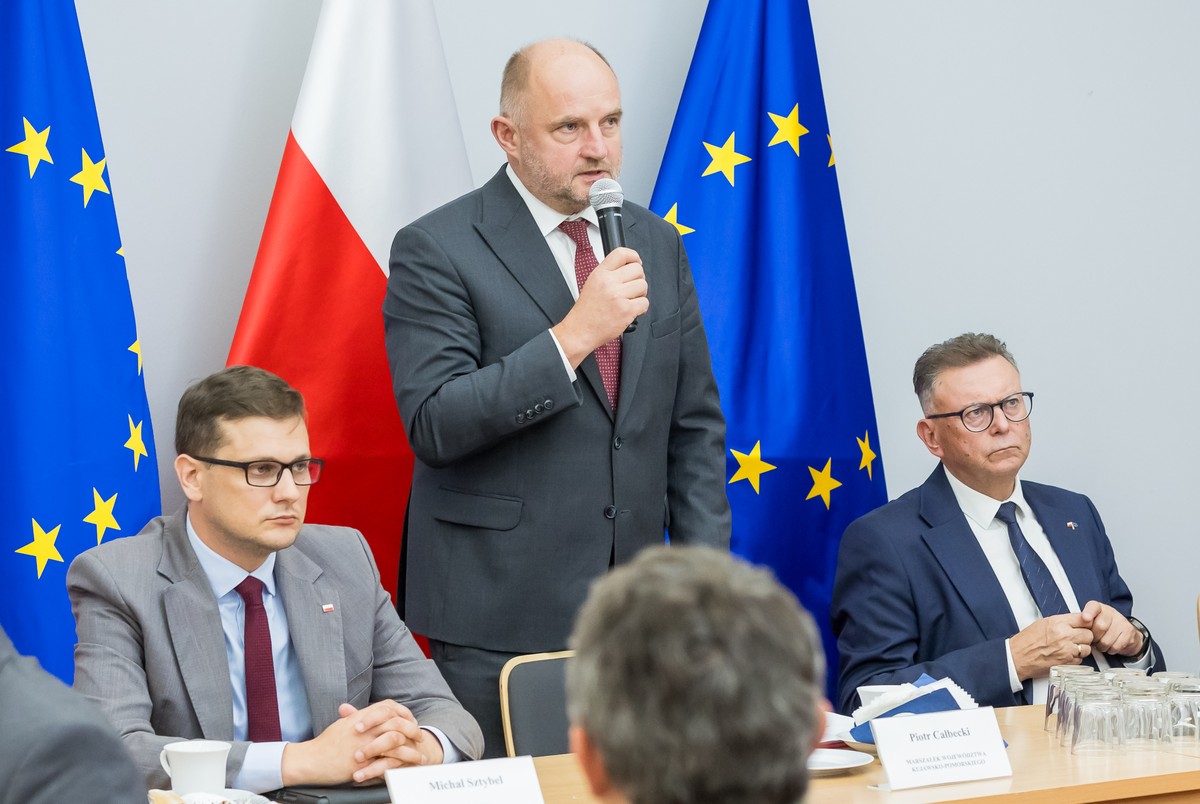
(563, 355)
(262, 768)
(449, 752)
(1014, 683)
(1144, 663)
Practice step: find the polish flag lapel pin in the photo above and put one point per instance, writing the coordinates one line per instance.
(328, 607)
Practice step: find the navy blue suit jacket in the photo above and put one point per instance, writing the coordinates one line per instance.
(914, 592)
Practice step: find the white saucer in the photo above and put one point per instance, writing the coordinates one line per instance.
(229, 794)
(832, 761)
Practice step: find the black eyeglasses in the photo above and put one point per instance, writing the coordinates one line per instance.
(977, 418)
(264, 474)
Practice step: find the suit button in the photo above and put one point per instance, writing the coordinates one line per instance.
(520, 418)
(610, 512)
(529, 413)
(617, 442)
(539, 407)
(549, 403)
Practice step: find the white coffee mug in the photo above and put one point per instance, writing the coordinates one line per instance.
(872, 692)
(195, 766)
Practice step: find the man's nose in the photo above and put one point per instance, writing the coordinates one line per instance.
(286, 488)
(1000, 422)
(593, 145)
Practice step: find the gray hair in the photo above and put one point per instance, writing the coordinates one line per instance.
(963, 350)
(698, 678)
(515, 80)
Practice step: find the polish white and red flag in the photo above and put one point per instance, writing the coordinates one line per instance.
(375, 143)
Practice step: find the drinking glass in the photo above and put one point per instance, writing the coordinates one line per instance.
(1056, 673)
(1184, 702)
(1097, 721)
(1115, 674)
(1147, 714)
(1069, 687)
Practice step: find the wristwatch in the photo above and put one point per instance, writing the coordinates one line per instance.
(1136, 623)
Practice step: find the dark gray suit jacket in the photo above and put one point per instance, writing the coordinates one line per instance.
(54, 745)
(525, 484)
(151, 652)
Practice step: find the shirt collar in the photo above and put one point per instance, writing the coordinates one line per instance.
(546, 218)
(979, 507)
(223, 574)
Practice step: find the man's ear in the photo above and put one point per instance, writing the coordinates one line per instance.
(929, 437)
(505, 132)
(590, 761)
(187, 469)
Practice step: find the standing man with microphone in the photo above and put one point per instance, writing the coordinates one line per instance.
(548, 447)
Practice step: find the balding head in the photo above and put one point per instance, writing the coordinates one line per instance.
(560, 121)
(514, 83)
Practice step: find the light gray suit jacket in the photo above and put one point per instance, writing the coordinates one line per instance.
(151, 651)
(54, 745)
(526, 485)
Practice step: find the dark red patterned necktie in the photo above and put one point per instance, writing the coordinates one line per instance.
(262, 704)
(608, 356)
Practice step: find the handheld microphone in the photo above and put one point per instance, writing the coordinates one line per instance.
(606, 198)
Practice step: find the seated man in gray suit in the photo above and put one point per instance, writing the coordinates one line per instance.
(697, 679)
(42, 725)
(233, 620)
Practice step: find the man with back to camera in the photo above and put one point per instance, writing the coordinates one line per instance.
(43, 723)
(697, 679)
(233, 620)
(977, 574)
(548, 446)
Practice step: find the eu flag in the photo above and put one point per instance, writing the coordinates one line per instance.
(749, 180)
(78, 464)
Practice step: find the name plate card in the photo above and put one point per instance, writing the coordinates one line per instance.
(941, 747)
(490, 781)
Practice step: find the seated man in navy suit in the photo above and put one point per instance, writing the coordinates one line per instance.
(976, 574)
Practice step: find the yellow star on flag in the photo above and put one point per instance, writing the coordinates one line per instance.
(136, 348)
(33, 148)
(789, 129)
(138, 446)
(102, 515)
(672, 218)
(121, 251)
(42, 547)
(724, 159)
(750, 467)
(830, 150)
(868, 454)
(91, 178)
(823, 483)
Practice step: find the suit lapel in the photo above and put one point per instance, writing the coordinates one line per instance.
(195, 631)
(1068, 546)
(512, 235)
(633, 344)
(316, 634)
(962, 559)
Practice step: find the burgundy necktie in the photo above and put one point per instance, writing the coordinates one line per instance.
(262, 704)
(608, 356)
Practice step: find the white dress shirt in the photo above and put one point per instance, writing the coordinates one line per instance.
(992, 534)
(561, 245)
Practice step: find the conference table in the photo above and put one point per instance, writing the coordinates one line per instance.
(1042, 772)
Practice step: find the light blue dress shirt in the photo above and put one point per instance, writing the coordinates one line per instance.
(262, 768)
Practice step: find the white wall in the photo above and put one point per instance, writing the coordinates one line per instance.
(1026, 168)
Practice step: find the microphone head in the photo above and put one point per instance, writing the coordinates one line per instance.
(606, 193)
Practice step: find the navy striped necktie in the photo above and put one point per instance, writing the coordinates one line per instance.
(1037, 576)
